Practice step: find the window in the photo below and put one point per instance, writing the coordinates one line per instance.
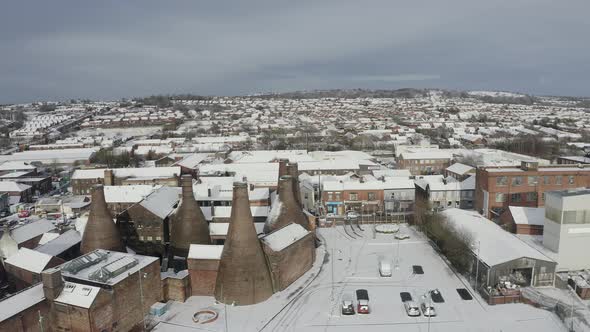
(330, 197)
(371, 196)
(546, 179)
(338, 196)
(558, 179)
(500, 198)
(532, 181)
(353, 196)
(531, 197)
(502, 181)
(570, 179)
(158, 238)
(149, 238)
(517, 181)
(515, 198)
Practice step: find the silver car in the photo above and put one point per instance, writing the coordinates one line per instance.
(412, 308)
(428, 309)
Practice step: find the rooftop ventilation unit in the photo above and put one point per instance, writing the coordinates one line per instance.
(78, 264)
(113, 269)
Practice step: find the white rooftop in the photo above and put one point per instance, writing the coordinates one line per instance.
(496, 245)
(21, 301)
(528, 215)
(284, 237)
(78, 295)
(29, 260)
(205, 251)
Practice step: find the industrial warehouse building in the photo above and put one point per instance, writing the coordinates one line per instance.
(502, 256)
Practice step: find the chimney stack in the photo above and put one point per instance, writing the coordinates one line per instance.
(52, 283)
(283, 170)
(285, 209)
(243, 277)
(187, 224)
(100, 231)
(294, 172)
(109, 177)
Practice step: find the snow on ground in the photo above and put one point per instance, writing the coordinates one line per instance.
(348, 262)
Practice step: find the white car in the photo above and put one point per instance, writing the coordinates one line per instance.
(402, 236)
(385, 268)
(412, 308)
(352, 215)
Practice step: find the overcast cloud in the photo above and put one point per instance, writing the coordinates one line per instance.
(52, 50)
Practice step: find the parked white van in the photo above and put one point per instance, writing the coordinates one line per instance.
(385, 268)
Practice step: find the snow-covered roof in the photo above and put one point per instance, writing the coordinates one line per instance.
(31, 230)
(60, 243)
(221, 228)
(459, 168)
(128, 194)
(162, 201)
(50, 156)
(21, 301)
(47, 237)
(284, 237)
(528, 215)
(392, 173)
(205, 251)
(29, 260)
(11, 186)
(16, 165)
(132, 172)
(433, 154)
(495, 245)
(79, 295)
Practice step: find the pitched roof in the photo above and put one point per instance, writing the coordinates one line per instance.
(29, 260)
(21, 301)
(528, 215)
(459, 168)
(496, 246)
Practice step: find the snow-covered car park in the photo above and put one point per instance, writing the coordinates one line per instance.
(314, 302)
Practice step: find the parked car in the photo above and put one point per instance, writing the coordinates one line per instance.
(24, 214)
(352, 215)
(427, 309)
(402, 236)
(362, 297)
(412, 308)
(347, 307)
(385, 268)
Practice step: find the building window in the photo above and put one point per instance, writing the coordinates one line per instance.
(353, 196)
(501, 181)
(330, 197)
(531, 197)
(515, 197)
(158, 238)
(517, 181)
(500, 198)
(338, 197)
(546, 179)
(532, 181)
(558, 179)
(371, 196)
(570, 179)
(149, 238)
(543, 197)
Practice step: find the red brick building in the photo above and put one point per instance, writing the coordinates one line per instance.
(498, 187)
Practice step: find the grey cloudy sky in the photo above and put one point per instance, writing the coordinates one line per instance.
(112, 49)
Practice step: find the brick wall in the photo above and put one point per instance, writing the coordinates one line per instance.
(203, 275)
(292, 262)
